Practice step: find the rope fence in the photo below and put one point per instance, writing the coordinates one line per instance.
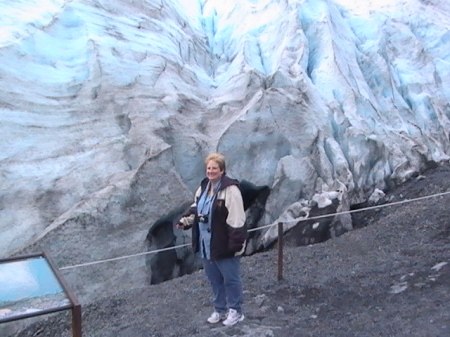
(280, 233)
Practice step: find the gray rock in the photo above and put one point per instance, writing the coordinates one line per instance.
(341, 287)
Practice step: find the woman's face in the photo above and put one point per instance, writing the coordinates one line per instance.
(213, 171)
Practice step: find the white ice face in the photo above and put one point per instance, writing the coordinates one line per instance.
(107, 108)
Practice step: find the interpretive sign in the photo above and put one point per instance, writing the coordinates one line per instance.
(31, 286)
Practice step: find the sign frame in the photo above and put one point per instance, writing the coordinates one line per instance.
(74, 305)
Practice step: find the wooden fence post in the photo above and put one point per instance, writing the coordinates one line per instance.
(280, 251)
(76, 321)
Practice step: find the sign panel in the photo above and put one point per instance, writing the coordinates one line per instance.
(29, 286)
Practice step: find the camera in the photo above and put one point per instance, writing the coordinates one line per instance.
(203, 218)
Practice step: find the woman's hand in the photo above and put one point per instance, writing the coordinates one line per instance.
(180, 225)
(185, 222)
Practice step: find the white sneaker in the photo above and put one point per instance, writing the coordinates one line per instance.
(233, 317)
(216, 317)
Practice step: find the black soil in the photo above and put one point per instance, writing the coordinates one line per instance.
(389, 278)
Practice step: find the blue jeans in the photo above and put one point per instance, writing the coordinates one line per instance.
(226, 285)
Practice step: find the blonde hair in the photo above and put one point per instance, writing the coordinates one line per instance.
(218, 158)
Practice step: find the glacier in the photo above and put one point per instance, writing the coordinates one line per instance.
(108, 108)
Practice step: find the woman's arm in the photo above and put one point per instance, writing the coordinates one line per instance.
(187, 220)
(237, 232)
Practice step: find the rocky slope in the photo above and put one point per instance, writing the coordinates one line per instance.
(389, 278)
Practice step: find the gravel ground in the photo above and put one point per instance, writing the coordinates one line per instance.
(389, 278)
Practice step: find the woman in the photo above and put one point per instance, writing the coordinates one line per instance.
(217, 220)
